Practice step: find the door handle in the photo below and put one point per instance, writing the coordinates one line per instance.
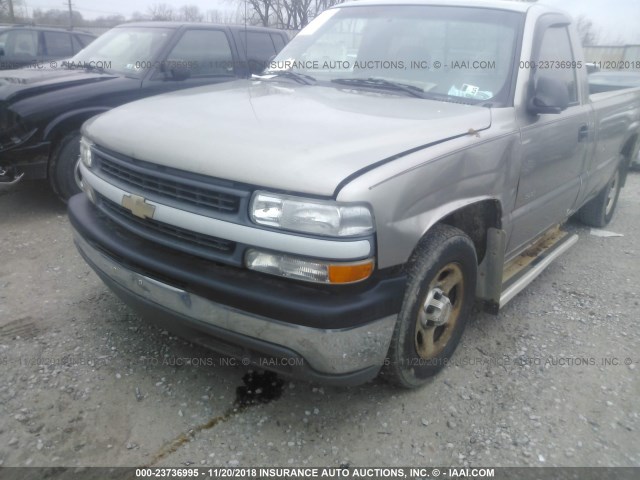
(583, 133)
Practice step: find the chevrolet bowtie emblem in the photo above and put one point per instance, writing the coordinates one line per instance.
(138, 206)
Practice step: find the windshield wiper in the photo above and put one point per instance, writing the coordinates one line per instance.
(302, 78)
(371, 82)
(94, 68)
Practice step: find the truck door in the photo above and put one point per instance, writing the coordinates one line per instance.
(554, 146)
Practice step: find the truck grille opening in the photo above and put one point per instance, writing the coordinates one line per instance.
(168, 186)
(185, 240)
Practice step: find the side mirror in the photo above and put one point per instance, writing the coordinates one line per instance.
(180, 73)
(550, 95)
(1, 52)
(177, 73)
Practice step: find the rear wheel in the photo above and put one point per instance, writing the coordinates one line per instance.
(635, 163)
(437, 303)
(62, 168)
(599, 211)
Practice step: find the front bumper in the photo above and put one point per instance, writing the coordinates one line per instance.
(342, 356)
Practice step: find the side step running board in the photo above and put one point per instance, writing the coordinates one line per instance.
(522, 270)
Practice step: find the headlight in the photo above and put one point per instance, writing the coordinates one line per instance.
(321, 217)
(8, 119)
(13, 131)
(86, 156)
(308, 270)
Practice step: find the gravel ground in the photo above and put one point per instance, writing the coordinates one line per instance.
(84, 382)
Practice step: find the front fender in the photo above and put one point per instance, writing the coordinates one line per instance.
(71, 120)
(412, 194)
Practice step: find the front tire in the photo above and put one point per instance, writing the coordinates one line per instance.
(62, 167)
(437, 304)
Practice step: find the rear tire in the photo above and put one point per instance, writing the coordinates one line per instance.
(599, 211)
(437, 303)
(635, 163)
(62, 167)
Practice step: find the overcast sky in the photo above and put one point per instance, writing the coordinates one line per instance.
(97, 8)
(616, 20)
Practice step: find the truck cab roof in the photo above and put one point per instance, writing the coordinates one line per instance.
(522, 7)
(176, 25)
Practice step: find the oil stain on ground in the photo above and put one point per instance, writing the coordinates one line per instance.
(258, 388)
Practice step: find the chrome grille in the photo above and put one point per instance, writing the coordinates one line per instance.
(171, 186)
(175, 237)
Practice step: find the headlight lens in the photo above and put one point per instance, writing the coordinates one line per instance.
(319, 217)
(86, 156)
(8, 119)
(308, 270)
(13, 131)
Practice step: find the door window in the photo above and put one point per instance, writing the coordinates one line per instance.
(556, 59)
(260, 49)
(84, 39)
(204, 52)
(58, 44)
(278, 41)
(23, 44)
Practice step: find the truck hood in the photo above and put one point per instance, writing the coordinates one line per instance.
(306, 139)
(18, 84)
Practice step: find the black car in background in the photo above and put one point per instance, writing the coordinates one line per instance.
(42, 109)
(27, 45)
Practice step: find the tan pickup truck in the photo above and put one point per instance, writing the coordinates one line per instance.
(339, 215)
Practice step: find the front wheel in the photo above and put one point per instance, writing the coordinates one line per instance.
(437, 303)
(63, 177)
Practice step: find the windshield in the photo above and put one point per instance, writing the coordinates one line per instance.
(449, 53)
(3, 37)
(125, 50)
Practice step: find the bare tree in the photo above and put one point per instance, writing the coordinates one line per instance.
(107, 21)
(161, 12)
(288, 14)
(139, 16)
(589, 34)
(213, 16)
(6, 10)
(224, 16)
(12, 11)
(191, 13)
(56, 17)
(259, 12)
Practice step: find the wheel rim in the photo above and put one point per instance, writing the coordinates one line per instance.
(440, 311)
(611, 196)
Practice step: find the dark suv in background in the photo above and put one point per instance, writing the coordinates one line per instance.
(23, 45)
(41, 110)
